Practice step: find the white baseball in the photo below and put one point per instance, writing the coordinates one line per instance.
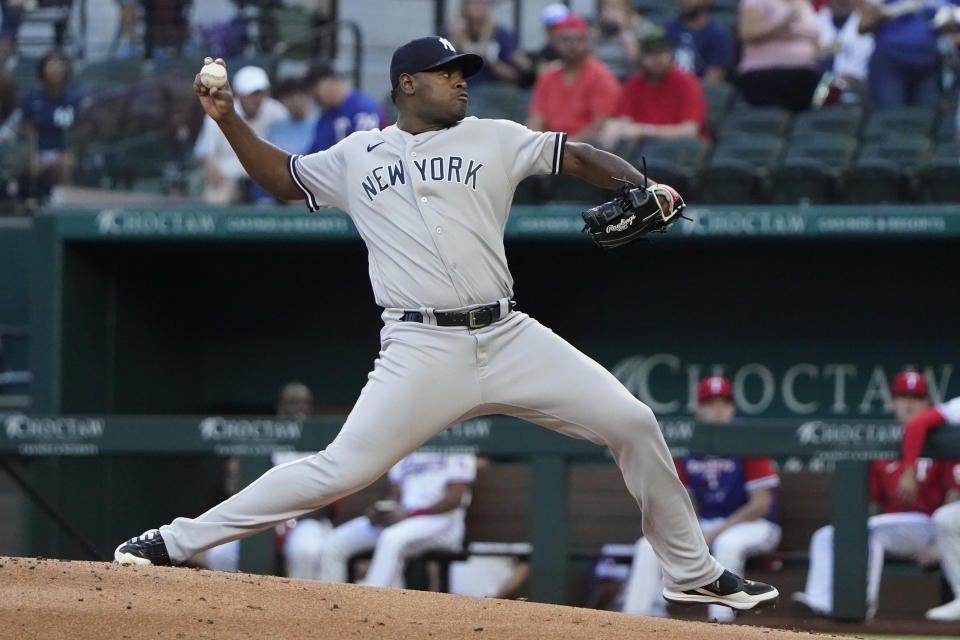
(213, 75)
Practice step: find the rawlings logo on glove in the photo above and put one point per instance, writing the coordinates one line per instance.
(633, 214)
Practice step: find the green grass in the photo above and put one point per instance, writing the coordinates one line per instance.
(876, 636)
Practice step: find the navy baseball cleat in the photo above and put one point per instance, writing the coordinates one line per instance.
(146, 549)
(730, 590)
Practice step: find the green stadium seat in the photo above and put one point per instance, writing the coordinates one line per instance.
(844, 120)
(887, 170)
(764, 121)
(675, 162)
(719, 96)
(109, 74)
(939, 182)
(498, 100)
(567, 188)
(739, 172)
(947, 129)
(899, 121)
(813, 169)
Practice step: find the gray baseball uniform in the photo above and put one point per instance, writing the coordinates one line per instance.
(431, 208)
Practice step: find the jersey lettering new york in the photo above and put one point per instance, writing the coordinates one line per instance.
(431, 206)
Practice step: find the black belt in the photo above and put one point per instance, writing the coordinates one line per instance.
(473, 318)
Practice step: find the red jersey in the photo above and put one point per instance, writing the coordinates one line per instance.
(571, 107)
(677, 98)
(934, 479)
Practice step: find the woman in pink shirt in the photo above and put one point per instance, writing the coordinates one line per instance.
(779, 62)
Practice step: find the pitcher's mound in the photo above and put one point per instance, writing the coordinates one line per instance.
(42, 599)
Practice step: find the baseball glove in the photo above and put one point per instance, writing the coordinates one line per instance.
(635, 213)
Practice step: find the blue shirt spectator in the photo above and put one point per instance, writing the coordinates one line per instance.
(903, 67)
(705, 51)
(702, 45)
(474, 30)
(345, 109)
(295, 133)
(51, 116)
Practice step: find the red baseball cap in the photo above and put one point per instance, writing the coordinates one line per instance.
(714, 387)
(571, 22)
(910, 383)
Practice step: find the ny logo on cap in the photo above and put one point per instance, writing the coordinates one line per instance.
(446, 44)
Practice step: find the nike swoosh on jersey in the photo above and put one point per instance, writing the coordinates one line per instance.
(371, 147)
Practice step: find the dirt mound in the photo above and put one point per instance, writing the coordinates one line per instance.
(42, 599)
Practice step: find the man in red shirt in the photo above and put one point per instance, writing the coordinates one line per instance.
(660, 101)
(901, 528)
(579, 94)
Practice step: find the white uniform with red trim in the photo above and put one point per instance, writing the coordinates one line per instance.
(720, 486)
(946, 521)
(902, 530)
(423, 478)
(431, 208)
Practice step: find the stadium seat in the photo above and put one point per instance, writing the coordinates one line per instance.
(764, 121)
(719, 97)
(887, 170)
(109, 74)
(739, 172)
(499, 100)
(947, 129)
(939, 182)
(812, 170)
(845, 120)
(899, 121)
(676, 162)
(567, 188)
(529, 191)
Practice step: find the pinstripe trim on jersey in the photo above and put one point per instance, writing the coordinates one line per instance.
(558, 148)
(295, 176)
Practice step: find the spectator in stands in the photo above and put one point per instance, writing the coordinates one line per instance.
(658, 102)
(424, 510)
(294, 133)
(125, 46)
(9, 23)
(225, 181)
(474, 30)
(551, 15)
(701, 44)
(846, 52)
(903, 67)
(49, 113)
(12, 152)
(344, 108)
(736, 502)
(165, 27)
(901, 528)
(580, 94)
(780, 57)
(946, 519)
(618, 25)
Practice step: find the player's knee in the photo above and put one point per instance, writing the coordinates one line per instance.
(947, 518)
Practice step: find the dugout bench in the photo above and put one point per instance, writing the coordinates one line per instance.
(549, 457)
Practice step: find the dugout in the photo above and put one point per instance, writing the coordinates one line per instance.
(167, 312)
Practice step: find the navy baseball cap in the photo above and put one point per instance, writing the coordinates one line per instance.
(428, 53)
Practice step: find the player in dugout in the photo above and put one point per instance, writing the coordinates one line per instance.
(903, 527)
(946, 519)
(737, 509)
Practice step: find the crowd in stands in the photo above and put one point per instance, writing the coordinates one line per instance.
(735, 101)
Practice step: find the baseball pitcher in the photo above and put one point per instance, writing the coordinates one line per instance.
(430, 197)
